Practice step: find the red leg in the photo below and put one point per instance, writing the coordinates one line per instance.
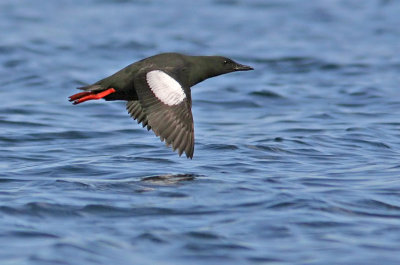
(85, 96)
(79, 95)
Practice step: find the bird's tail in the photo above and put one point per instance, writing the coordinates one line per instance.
(92, 88)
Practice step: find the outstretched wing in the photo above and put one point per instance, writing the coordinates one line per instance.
(136, 111)
(165, 107)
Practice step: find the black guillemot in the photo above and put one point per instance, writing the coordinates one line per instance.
(157, 91)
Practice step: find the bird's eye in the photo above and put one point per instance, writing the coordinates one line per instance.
(226, 62)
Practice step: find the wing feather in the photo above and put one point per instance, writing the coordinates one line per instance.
(172, 123)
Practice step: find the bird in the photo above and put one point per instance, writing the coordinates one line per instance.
(158, 93)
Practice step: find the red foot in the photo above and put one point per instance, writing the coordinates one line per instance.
(85, 96)
(79, 95)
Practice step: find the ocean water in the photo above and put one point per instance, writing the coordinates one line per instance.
(296, 162)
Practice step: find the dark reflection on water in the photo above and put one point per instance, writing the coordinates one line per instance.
(169, 179)
(296, 162)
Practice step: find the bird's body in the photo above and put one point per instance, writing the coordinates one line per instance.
(158, 92)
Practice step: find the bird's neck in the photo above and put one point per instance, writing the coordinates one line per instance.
(201, 69)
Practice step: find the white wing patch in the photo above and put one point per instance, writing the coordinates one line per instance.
(165, 88)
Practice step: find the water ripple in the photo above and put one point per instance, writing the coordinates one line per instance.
(295, 162)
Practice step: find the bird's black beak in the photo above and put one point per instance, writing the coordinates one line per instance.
(242, 67)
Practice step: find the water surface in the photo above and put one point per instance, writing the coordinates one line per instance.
(296, 162)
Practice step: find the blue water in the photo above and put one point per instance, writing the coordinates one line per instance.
(296, 162)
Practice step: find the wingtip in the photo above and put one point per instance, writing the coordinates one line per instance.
(180, 152)
(189, 156)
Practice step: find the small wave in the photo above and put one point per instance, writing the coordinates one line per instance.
(40, 209)
(31, 234)
(268, 148)
(221, 146)
(22, 123)
(369, 143)
(231, 104)
(266, 94)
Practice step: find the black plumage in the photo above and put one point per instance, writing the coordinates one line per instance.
(157, 91)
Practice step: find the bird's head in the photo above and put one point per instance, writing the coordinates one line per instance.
(223, 65)
(203, 67)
